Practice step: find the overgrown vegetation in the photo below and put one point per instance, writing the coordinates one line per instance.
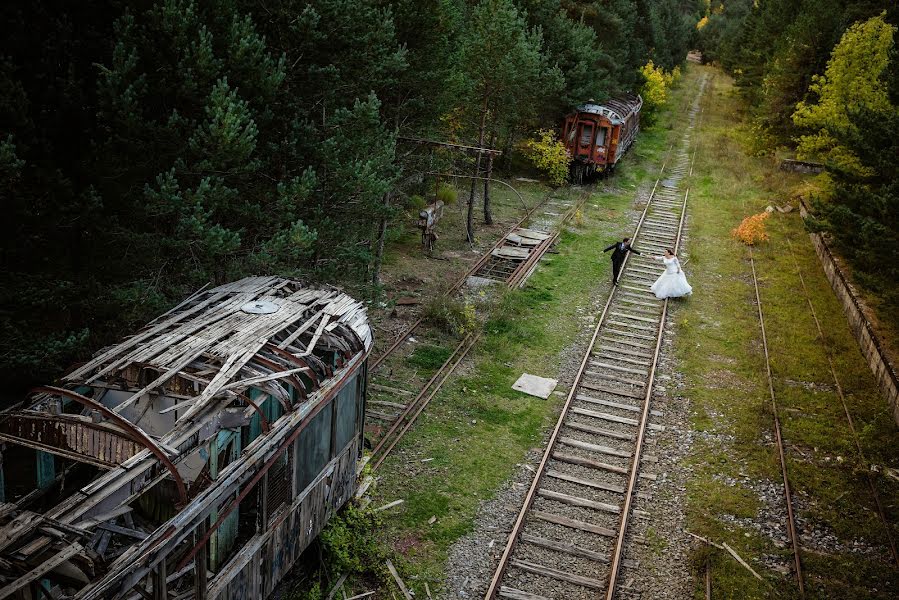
(149, 147)
(655, 89)
(548, 154)
(751, 230)
(822, 76)
(735, 487)
(451, 314)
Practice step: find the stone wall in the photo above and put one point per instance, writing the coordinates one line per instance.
(864, 334)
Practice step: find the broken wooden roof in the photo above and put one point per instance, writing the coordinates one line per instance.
(142, 408)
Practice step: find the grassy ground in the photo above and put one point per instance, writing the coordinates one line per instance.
(477, 428)
(735, 495)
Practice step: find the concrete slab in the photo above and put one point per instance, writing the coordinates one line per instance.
(534, 385)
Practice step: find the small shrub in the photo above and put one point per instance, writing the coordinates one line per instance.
(350, 544)
(417, 202)
(451, 315)
(548, 154)
(656, 83)
(448, 194)
(751, 229)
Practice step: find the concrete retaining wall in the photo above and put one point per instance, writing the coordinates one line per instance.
(864, 334)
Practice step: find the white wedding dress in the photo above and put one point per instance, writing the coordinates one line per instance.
(672, 283)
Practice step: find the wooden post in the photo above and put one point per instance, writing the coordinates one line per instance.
(469, 222)
(200, 582)
(160, 587)
(488, 218)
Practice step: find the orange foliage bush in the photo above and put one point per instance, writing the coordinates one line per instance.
(752, 229)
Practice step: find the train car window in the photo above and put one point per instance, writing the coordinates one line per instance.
(346, 413)
(586, 134)
(601, 136)
(313, 449)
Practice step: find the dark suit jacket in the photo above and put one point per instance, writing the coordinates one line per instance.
(621, 250)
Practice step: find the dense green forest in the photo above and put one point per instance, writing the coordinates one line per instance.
(822, 76)
(149, 147)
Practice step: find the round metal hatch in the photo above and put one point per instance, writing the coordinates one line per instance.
(260, 307)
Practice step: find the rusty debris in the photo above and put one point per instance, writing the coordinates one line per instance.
(196, 458)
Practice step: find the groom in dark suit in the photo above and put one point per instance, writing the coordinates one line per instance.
(621, 250)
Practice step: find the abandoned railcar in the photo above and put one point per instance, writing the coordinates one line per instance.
(195, 459)
(597, 135)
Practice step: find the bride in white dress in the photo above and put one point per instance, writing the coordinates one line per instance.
(672, 283)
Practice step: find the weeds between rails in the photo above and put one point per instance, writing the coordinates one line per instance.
(515, 277)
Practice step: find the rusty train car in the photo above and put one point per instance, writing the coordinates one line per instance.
(195, 459)
(597, 135)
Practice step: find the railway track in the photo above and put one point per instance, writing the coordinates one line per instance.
(570, 539)
(395, 401)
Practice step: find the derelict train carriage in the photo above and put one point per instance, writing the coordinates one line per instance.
(195, 459)
(597, 135)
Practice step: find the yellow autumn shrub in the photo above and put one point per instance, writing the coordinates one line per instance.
(752, 229)
(546, 152)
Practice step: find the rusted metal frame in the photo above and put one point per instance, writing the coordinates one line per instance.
(512, 541)
(455, 287)
(70, 454)
(460, 353)
(791, 522)
(410, 406)
(618, 551)
(136, 433)
(275, 367)
(326, 401)
(841, 394)
(316, 380)
(462, 147)
(245, 397)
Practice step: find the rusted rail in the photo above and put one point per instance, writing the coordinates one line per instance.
(623, 362)
(454, 288)
(416, 406)
(494, 588)
(839, 387)
(791, 520)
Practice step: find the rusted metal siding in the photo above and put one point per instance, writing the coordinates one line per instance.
(257, 568)
(70, 436)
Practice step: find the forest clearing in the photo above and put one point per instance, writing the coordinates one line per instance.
(318, 300)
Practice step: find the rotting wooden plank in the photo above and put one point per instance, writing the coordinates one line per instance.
(605, 365)
(46, 566)
(630, 334)
(557, 574)
(635, 318)
(589, 462)
(396, 405)
(613, 418)
(621, 351)
(616, 356)
(598, 431)
(392, 390)
(614, 377)
(565, 548)
(629, 407)
(611, 390)
(594, 447)
(399, 582)
(572, 523)
(632, 326)
(381, 416)
(513, 594)
(577, 501)
(630, 343)
(15, 529)
(599, 485)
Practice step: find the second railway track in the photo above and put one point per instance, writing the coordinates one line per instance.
(396, 400)
(571, 537)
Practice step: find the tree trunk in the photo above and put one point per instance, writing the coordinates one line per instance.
(488, 218)
(379, 246)
(469, 221)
